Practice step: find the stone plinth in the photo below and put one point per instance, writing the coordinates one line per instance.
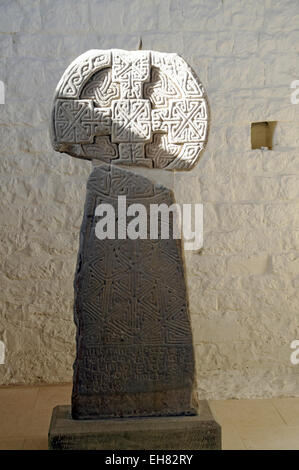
(199, 432)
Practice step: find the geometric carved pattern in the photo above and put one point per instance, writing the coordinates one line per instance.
(161, 151)
(184, 120)
(134, 341)
(130, 70)
(131, 121)
(138, 95)
(102, 147)
(133, 154)
(160, 89)
(78, 121)
(80, 71)
(101, 89)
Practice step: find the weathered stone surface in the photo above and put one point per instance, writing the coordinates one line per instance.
(135, 108)
(134, 340)
(200, 432)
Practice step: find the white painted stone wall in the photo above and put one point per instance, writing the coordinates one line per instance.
(244, 284)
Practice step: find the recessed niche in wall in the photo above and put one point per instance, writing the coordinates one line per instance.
(262, 134)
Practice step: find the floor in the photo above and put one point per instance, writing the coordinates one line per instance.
(246, 424)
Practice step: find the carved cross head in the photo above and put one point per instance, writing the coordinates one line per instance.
(137, 108)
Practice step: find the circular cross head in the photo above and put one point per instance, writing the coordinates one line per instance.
(137, 108)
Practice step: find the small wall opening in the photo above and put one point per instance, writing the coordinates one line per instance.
(262, 134)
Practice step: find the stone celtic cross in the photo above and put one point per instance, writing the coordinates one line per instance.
(134, 341)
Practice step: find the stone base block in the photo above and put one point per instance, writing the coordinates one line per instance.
(199, 432)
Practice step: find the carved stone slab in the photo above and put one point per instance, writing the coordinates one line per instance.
(138, 108)
(134, 341)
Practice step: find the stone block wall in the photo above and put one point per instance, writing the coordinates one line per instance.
(243, 284)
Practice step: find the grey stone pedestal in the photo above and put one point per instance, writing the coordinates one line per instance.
(200, 432)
